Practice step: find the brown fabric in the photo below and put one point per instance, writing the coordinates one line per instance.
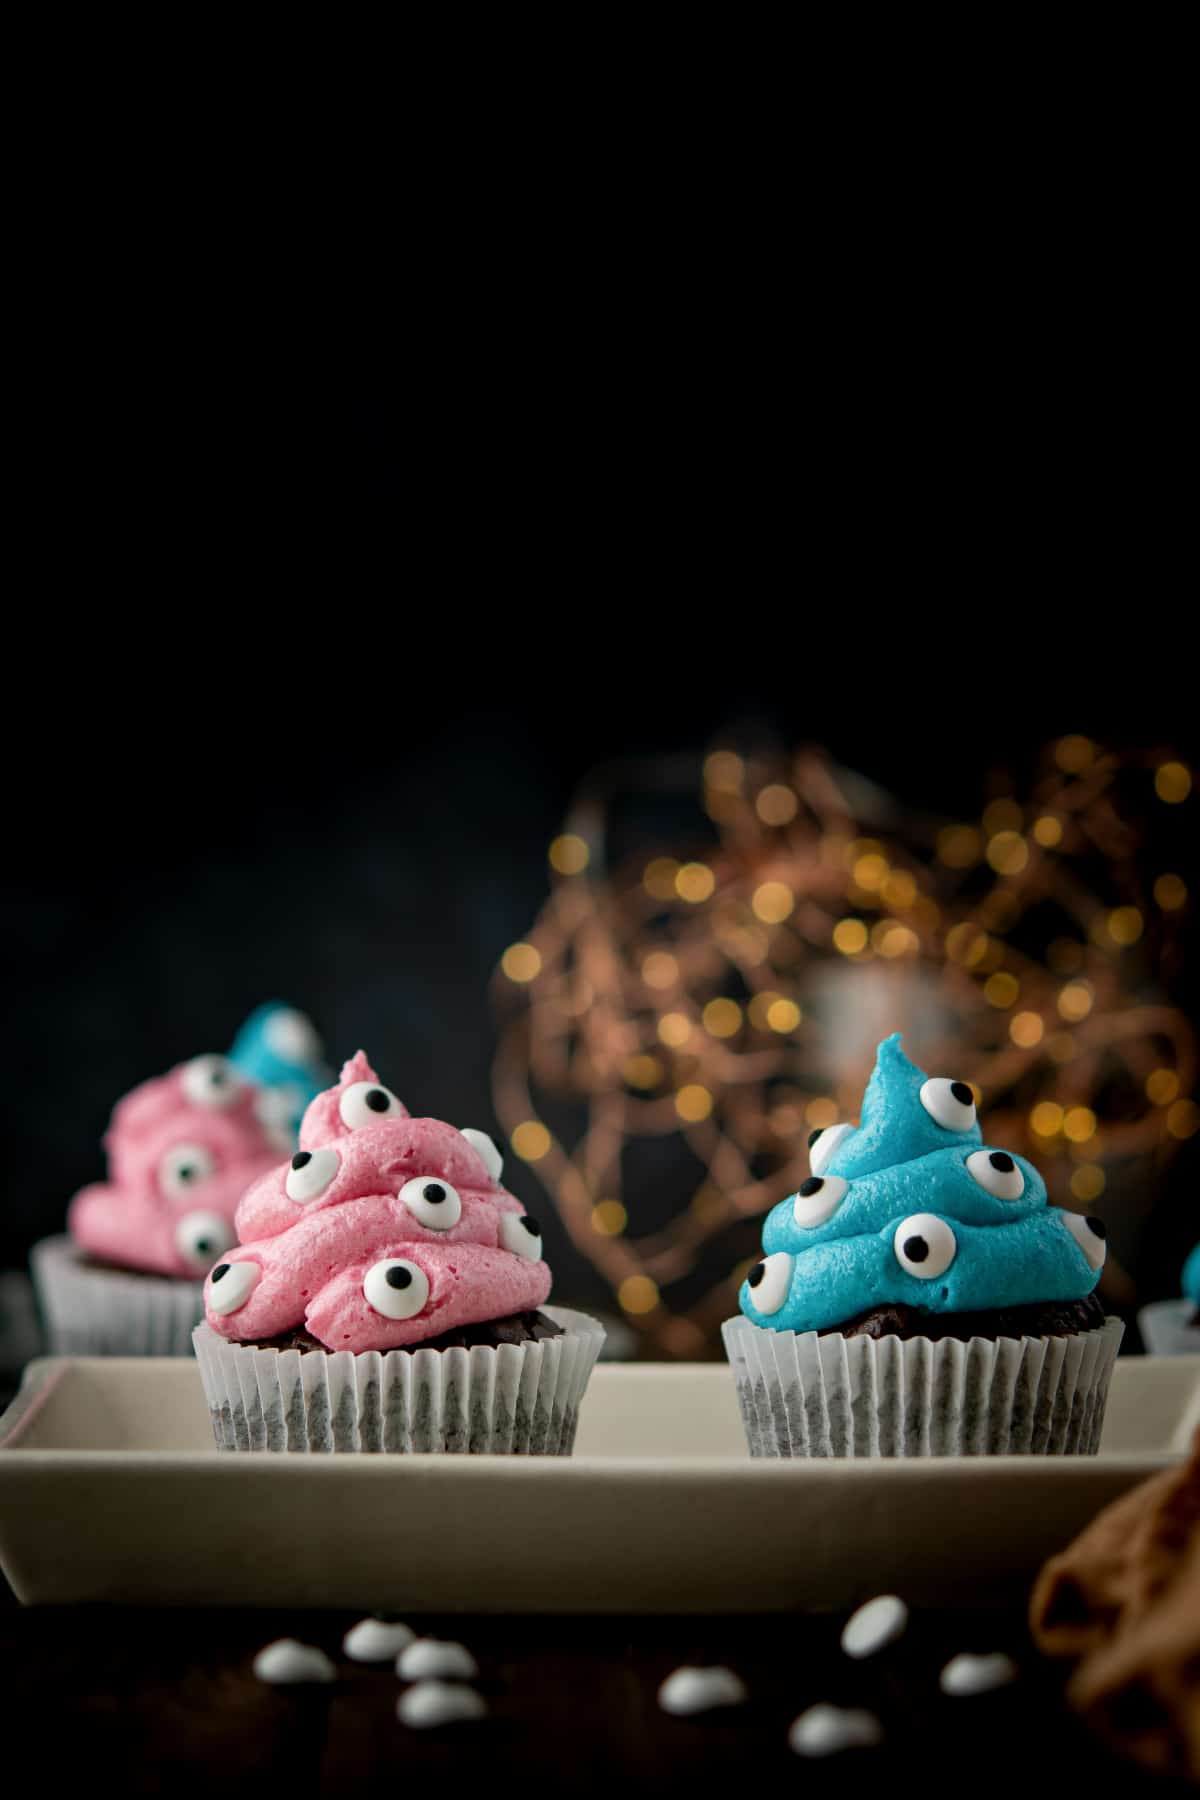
(1046, 1318)
(1124, 1600)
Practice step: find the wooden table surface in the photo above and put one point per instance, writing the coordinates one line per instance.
(156, 1701)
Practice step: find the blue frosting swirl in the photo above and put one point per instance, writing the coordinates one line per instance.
(913, 1208)
(277, 1049)
(1191, 1277)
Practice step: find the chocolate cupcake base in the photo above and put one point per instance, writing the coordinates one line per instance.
(1049, 1318)
(518, 1328)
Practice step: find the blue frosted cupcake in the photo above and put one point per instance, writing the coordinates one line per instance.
(1172, 1327)
(918, 1296)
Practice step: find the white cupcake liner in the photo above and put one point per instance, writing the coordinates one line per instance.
(89, 1311)
(1167, 1328)
(516, 1399)
(808, 1394)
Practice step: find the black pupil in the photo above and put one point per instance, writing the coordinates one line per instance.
(435, 1193)
(814, 1135)
(813, 1185)
(399, 1278)
(1097, 1226)
(756, 1274)
(1000, 1159)
(962, 1093)
(186, 1172)
(220, 1270)
(532, 1227)
(377, 1100)
(916, 1249)
(217, 1077)
(203, 1245)
(301, 1158)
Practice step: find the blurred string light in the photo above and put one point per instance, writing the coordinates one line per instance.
(690, 995)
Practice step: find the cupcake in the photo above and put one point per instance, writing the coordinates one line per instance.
(387, 1293)
(1172, 1327)
(279, 1051)
(128, 1280)
(918, 1296)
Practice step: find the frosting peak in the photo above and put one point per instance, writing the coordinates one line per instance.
(911, 1208)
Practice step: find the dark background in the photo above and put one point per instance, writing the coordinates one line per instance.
(301, 729)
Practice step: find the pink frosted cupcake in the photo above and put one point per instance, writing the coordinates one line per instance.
(182, 1149)
(386, 1293)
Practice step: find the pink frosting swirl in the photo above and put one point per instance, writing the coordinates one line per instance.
(182, 1150)
(382, 1231)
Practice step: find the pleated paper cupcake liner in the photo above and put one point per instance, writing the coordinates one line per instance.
(1168, 1330)
(90, 1311)
(516, 1399)
(807, 1394)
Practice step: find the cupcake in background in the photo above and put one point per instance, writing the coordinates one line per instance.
(182, 1149)
(387, 1293)
(1172, 1327)
(919, 1297)
(279, 1051)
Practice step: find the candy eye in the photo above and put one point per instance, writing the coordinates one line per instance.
(485, 1150)
(396, 1288)
(199, 1236)
(292, 1037)
(996, 1171)
(770, 1282)
(311, 1173)
(522, 1235)
(1089, 1233)
(274, 1108)
(925, 1245)
(432, 1202)
(183, 1168)
(822, 1146)
(818, 1198)
(366, 1103)
(210, 1081)
(950, 1104)
(230, 1285)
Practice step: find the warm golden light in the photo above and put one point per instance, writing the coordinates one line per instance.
(1171, 892)
(693, 1103)
(1125, 925)
(569, 854)
(660, 969)
(900, 890)
(783, 1016)
(694, 882)
(531, 1141)
(1079, 1124)
(1048, 831)
(760, 1006)
(1002, 816)
(609, 1218)
(1007, 852)
(658, 877)
(724, 770)
(674, 1028)
(1026, 1030)
(1046, 1118)
(637, 1294)
(722, 1018)
(1001, 989)
(772, 902)
(1162, 1087)
(521, 962)
(1087, 1182)
(959, 846)
(777, 805)
(1075, 1001)
(850, 936)
(1172, 782)
(1074, 754)
(643, 1071)
(1183, 1119)
(870, 872)
(1060, 1047)
(821, 1113)
(965, 943)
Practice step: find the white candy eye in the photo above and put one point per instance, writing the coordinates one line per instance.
(291, 1037)
(199, 1236)
(925, 1245)
(996, 1171)
(823, 1144)
(819, 1197)
(950, 1104)
(1089, 1233)
(522, 1235)
(182, 1168)
(396, 1288)
(366, 1103)
(311, 1173)
(230, 1285)
(210, 1081)
(273, 1108)
(432, 1202)
(770, 1282)
(485, 1150)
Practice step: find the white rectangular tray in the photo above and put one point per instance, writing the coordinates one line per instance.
(111, 1489)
